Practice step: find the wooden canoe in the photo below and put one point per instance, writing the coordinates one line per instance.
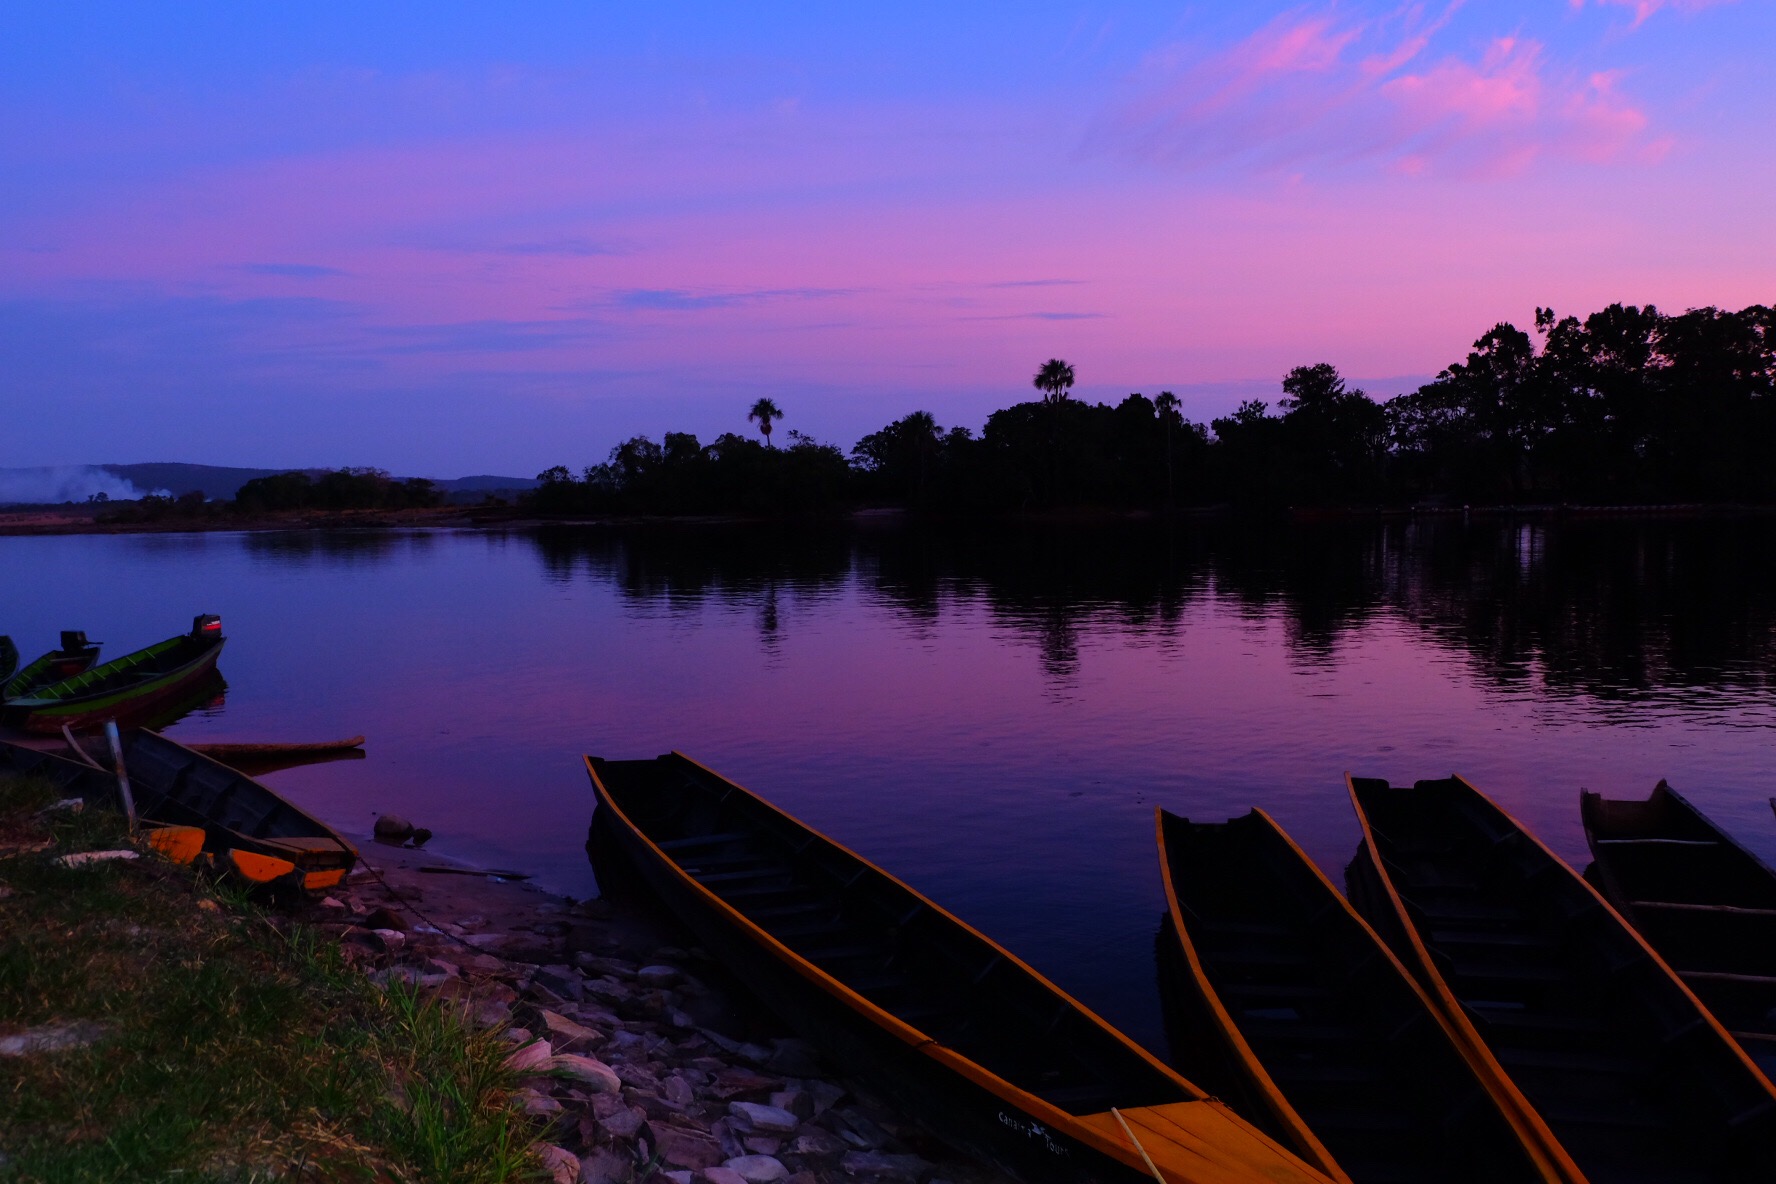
(75, 655)
(950, 1025)
(1704, 902)
(1633, 1075)
(1321, 1032)
(123, 689)
(174, 786)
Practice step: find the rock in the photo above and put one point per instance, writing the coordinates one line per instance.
(518, 1035)
(50, 1038)
(600, 1076)
(567, 1033)
(420, 836)
(677, 1090)
(825, 1095)
(763, 1144)
(486, 941)
(758, 1169)
(814, 1141)
(857, 1130)
(657, 976)
(605, 1166)
(564, 981)
(332, 902)
(731, 1083)
(390, 939)
(540, 1104)
(561, 1165)
(877, 1163)
(472, 921)
(68, 805)
(624, 1123)
(384, 917)
(796, 1101)
(679, 1177)
(609, 989)
(764, 1118)
(82, 858)
(392, 828)
(209, 906)
(723, 1176)
(492, 1013)
(530, 1058)
(687, 1149)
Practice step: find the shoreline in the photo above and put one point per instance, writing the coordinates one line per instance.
(17, 521)
(673, 1060)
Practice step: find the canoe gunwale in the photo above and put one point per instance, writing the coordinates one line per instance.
(1307, 1144)
(1430, 971)
(1110, 1142)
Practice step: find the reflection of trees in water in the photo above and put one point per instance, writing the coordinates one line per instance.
(684, 567)
(345, 548)
(1601, 607)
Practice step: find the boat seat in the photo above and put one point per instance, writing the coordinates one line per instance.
(1323, 1073)
(1657, 842)
(1268, 1029)
(766, 871)
(1514, 939)
(1463, 910)
(775, 888)
(1472, 971)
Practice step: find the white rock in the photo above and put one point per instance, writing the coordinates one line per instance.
(723, 1176)
(562, 1165)
(50, 1038)
(657, 976)
(82, 858)
(678, 1177)
(530, 1058)
(764, 1118)
(758, 1169)
(594, 1073)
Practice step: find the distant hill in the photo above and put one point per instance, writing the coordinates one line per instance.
(218, 482)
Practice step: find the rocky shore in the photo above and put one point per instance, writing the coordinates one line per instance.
(641, 1057)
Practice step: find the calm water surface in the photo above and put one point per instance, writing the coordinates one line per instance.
(992, 714)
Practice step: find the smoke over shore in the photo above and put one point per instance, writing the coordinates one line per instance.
(65, 483)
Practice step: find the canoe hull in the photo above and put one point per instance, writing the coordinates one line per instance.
(125, 704)
(1636, 1079)
(961, 1113)
(941, 1078)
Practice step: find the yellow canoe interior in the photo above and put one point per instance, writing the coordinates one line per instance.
(1197, 1141)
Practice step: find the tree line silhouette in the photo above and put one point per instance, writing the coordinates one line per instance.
(1626, 405)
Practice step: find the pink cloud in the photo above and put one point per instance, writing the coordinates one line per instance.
(1645, 8)
(1306, 92)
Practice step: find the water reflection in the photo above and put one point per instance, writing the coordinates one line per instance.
(1607, 609)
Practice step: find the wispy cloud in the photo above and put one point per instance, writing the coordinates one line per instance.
(1321, 91)
(298, 271)
(1035, 284)
(680, 300)
(1643, 9)
(1042, 316)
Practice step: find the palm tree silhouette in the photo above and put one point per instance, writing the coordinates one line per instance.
(1166, 403)
(1054, 380)
(765, 411)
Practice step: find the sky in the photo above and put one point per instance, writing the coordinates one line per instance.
(447, 239)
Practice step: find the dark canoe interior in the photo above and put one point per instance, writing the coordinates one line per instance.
(1699, 898)
(174, 785)
(75, 656)
(874, 935)
(1347, 1039)
(1618, 1060)
(71, 777)
(143, 666)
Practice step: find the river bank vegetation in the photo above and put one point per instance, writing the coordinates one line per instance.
(1628, 404)
(155, 1027)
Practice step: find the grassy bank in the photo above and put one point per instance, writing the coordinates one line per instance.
(204, 1039)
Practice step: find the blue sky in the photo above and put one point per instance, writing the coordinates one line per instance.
(469, 238)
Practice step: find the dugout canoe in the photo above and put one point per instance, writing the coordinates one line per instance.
(1320, 1034)
(951, 1026)
(123, 689)
(1703, 901)
(75, 655)
(1628, 1069)
(255, 830)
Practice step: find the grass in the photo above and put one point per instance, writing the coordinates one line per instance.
(232, 1048)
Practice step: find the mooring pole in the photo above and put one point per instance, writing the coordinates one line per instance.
(123, 785)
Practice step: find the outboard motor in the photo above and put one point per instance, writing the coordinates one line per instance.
(206, 626)
(74, 640)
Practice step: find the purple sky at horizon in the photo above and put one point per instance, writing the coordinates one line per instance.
(449, 239)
